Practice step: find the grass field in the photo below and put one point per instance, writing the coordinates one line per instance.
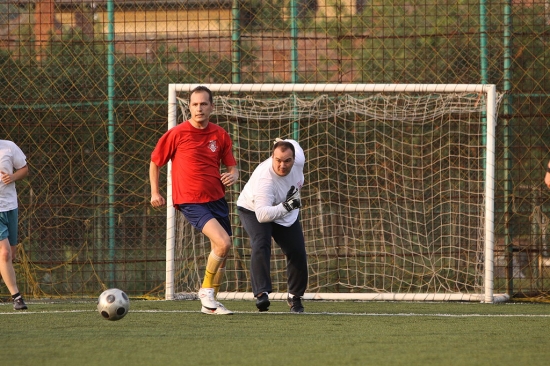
(330, 333)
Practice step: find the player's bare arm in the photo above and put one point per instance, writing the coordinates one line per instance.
(156, 198)
(231, 176)
(547, 175)
(14, 177)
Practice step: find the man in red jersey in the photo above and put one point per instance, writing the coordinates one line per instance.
(197, 149)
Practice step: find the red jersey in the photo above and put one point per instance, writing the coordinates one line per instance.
(196, 156)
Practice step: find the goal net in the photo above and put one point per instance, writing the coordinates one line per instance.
(398, 195)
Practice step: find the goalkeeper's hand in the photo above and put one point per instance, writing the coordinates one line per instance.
(292, 193)
(292, 199)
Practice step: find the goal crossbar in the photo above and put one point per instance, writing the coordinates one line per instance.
(490, 115)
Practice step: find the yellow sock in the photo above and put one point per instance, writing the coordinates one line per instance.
(212, 265)
(207, 281)
(217, 281)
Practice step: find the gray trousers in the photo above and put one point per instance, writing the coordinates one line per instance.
(289, 239)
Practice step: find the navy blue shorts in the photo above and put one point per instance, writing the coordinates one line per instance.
(198, 214)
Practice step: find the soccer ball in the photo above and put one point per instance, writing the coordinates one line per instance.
(113, 304)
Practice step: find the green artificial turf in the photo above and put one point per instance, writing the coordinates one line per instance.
(329, 333)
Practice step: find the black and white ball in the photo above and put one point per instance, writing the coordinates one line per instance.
(113, 304)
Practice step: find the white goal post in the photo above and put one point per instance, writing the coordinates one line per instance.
(400, 203)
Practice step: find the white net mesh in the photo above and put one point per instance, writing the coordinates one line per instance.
(394, 194)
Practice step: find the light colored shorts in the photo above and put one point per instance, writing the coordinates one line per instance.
(8, 226)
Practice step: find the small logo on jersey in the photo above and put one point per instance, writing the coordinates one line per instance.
(213, 145)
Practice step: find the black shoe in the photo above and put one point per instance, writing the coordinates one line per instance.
(19, 304)
(262, 302)
(295, 304)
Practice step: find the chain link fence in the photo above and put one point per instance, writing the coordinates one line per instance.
(84, 94)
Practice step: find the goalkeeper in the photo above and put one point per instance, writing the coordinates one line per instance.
(268, 207)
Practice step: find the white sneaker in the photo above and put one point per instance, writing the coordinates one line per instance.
(220, 310)
(206, 295)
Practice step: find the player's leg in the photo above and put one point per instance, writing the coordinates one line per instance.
(215, 267)
(6, 266)
(13, 252)
(218, 279)
(216, 284)
(260, 243)
(292, 243)
(217, 228)
(212, 219)
(221, 243)
(219, 233)
(8, 234)
(13, 255)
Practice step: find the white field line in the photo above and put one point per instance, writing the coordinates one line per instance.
(436, 315)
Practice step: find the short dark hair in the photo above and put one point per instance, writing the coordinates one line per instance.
(284, 146)
(202, 88)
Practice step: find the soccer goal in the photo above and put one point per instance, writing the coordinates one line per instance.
(399, 192)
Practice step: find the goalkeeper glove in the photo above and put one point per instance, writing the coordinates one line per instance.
(291, 193)
(292, 199)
